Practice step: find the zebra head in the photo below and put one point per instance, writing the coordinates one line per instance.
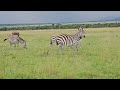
(24, 45)
(81, 32)
(23, 42)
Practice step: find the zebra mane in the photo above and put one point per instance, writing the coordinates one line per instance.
(20, 39)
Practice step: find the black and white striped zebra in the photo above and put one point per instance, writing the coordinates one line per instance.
(15, 39)
(68, 40)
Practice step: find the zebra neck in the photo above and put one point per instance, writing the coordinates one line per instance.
(21, 40)
(76, 36)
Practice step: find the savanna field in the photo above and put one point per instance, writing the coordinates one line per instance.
(98, 57)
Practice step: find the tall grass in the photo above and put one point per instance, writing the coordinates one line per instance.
(98, 57)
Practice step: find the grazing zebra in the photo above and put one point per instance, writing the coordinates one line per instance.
(68, 40)
(15, 39)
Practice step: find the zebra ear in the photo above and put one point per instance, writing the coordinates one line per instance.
(80, 28)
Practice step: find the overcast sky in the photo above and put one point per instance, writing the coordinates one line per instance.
(14, 17)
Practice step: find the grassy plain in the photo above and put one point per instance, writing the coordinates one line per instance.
(98, 57)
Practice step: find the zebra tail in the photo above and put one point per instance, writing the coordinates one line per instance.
(51, 42)
(5, 39)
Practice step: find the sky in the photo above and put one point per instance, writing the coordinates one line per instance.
(19, 17)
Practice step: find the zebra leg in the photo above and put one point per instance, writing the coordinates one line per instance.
(60, 46)
(51, 45)
(77, 45)
(49, 49)
(14, 45)
(76, 48)
(73, 49)
(52, 41)
(17, 44)
(10, 44)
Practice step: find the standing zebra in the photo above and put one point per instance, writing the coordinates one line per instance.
(68, 40)
(15, 39)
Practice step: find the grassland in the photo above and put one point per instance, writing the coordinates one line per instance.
(98, 57)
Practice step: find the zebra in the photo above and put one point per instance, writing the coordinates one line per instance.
(68, 40)
(15, 39)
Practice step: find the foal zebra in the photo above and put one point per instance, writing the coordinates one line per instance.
(15, 39)
(68, 40)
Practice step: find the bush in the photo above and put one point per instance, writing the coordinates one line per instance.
(59, 26)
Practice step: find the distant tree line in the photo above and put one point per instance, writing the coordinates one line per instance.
(60, 26)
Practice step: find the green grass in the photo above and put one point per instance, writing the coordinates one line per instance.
(98, 57)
